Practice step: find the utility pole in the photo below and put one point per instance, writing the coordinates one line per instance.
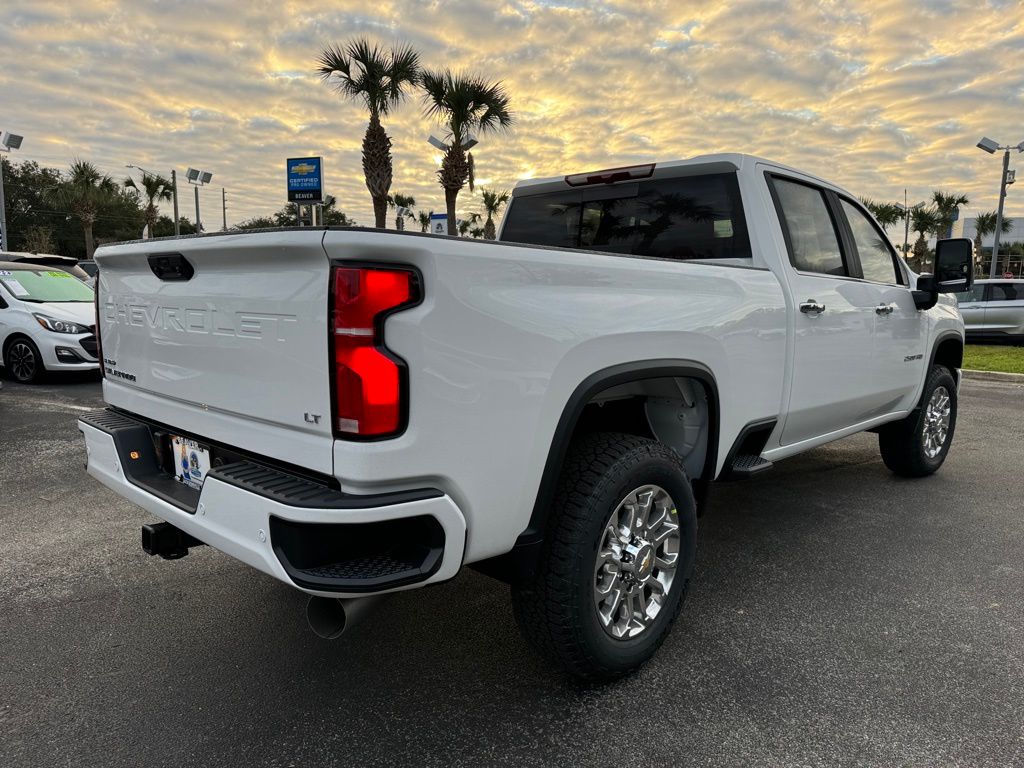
(224, 206)
(174, 194)
(906, 225)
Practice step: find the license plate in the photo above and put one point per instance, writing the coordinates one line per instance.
(191, 461)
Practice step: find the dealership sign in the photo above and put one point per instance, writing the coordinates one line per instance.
(305, 180)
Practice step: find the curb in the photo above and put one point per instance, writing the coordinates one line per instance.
(1009, 378)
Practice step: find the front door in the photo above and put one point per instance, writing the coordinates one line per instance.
(899, 359)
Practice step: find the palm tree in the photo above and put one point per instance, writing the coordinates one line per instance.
(400, 202)
(463, 103)
(465, 225)
(424, 219)
(359, 70)
(85, 193)
(154, 188)
(985, 225)
(886, 214)
(946, 205)
(493, 200)
(923, 221)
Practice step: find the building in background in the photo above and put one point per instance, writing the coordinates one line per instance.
(1010, 242)
(965, 228)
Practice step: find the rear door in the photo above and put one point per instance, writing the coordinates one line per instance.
(832, 377)
(1005, 307)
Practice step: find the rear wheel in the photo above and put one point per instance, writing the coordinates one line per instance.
(917, 445)
(23, 361)
(617, 558)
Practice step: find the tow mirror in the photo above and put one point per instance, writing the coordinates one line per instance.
(954, 265)
(954, 272)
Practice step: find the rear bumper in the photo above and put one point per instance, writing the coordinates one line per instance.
(311, 537)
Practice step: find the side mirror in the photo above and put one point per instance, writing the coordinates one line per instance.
(954, 272)
(954, 265)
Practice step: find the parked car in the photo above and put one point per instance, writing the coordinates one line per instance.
(994, 310)
(88, 266)
(47, 321)
(65, 263)
(358, 411)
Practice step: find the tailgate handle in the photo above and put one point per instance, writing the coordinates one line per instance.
(171, 266)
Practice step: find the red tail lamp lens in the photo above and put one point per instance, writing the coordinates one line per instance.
(368, 383)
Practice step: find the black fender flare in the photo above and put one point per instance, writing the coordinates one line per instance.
(941, 339)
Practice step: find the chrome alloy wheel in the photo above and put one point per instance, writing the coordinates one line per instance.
(636, 562)
(936, 422)
(22, 360)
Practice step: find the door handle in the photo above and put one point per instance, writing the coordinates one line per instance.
(884, 309)
(811, 307)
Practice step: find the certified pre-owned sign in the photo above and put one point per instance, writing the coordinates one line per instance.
(305, 180)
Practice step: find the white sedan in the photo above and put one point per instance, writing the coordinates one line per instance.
(47, 321)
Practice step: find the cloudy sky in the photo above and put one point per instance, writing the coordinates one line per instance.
(876, 95)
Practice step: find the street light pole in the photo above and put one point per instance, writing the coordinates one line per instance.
(3, 210)
(199, 179)
(174, 194)
(8, 141)
(991, 146)
(999, 215)
(199, 224)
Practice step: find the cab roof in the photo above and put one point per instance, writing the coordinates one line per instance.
(710, 163)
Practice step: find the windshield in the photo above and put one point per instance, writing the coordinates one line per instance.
(44, 285)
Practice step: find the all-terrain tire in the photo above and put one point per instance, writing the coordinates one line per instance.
(912, 447)
(555, 609)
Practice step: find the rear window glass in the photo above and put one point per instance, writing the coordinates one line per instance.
(696, 217)
(1007, 292)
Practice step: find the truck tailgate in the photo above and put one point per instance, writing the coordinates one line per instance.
(236, 351)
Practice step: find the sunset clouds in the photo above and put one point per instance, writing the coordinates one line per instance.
(874, 95)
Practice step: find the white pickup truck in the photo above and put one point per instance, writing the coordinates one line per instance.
(356, 412)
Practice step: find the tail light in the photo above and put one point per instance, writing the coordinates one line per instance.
(370, 382)
(96, 333)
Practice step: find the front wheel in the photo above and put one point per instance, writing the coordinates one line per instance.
(917, 445)
(23, 362)
(617, 558)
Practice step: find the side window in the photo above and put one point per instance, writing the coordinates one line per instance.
(877, 259)
(977, 293)
(1007, 292)
(812, 239)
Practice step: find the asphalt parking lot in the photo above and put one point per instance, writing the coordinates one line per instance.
(840, 616)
